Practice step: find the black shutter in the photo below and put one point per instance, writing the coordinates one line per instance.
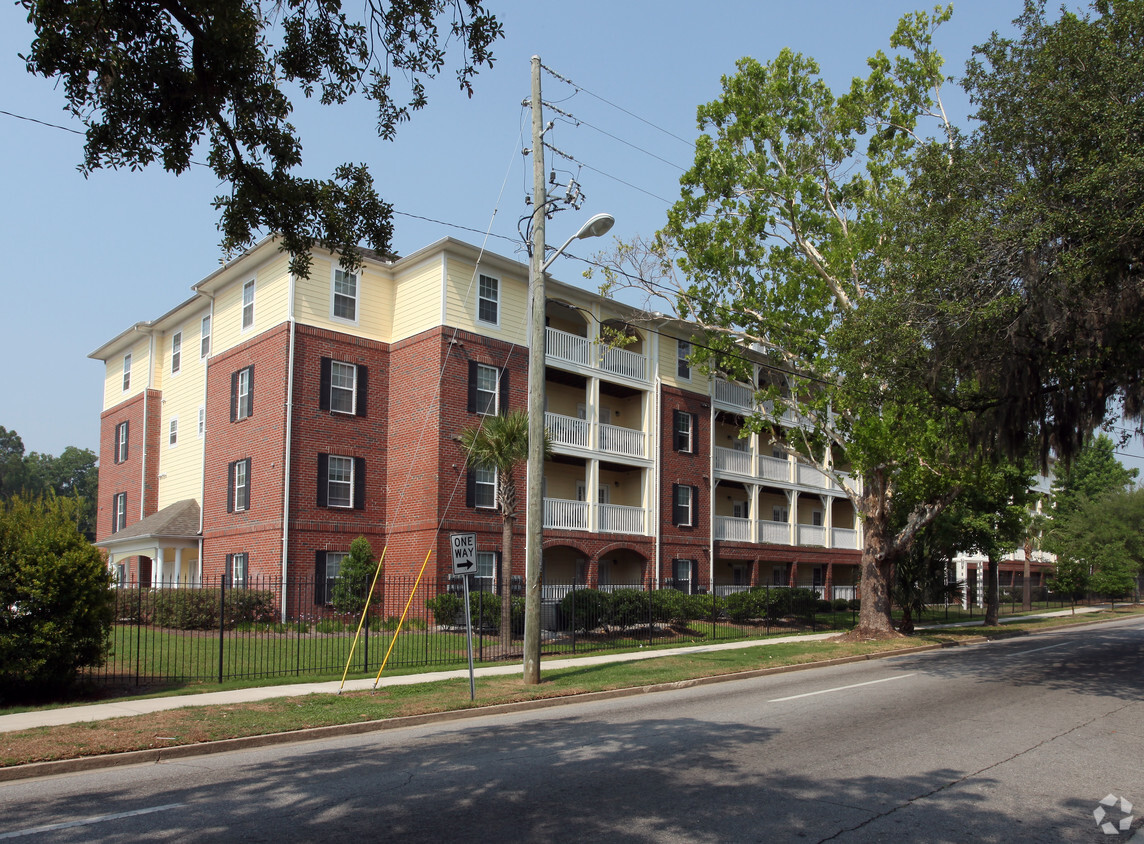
(503, 384)
(694, 433)
(115, 452)
(249, 484)
(362, 390)
(250, 390)
(233, 396)
(323, 479)
(230, 487)
(677, 433)
(229, 574)
(676, 510)
(359, 483)
(319, 578)
(472, 386)
(470, 489)
(695, 506)
(115, 513)
(324, 385)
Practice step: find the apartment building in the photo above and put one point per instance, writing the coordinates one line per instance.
(260, 426)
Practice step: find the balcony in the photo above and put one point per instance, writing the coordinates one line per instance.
(766, 468)
(562, 514)
(577, 433)
(734, 529)
(570, 348)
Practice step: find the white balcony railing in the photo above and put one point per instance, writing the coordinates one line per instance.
(811, 535)
(562, 345)
(732, 529)
(567, 430)
(623, 362)
(617, 440)
(843, 538)
(730, 460)
(774, 468)
(734, 395)
(619, 518)
(775, 533)
(562, 514)
(810, 476)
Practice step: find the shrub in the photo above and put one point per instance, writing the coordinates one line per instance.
(854, 604)
(586, 609)
(629, 608)
(445, 608)
(841, 605)
(56, 604)
(355, 577)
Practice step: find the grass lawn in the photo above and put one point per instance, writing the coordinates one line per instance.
(195, 724)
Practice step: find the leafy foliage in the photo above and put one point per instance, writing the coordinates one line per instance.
(153, 81)
(355, 578)
(1099, 545)
(73, 474)
(56, 603)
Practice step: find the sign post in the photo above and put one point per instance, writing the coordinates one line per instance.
(464, 547)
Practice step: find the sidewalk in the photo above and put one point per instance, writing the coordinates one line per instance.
(102, 711)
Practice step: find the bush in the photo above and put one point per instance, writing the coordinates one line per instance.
(355, 577)
(629, 608)
(586, 609)
(841, 605)
(854, 604)
(56, 601)
(445, 608)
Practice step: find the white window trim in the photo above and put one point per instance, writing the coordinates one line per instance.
(487, 560)
(328, 588)
(478, 483)
(127, 372)
(173, 432)
(356, 297)
(177, 352)
(495, 408)
(202, 420)
(495, 323)
(330, 481)
(353, 390)
(243, 466)
(205, 337)
(121, 455)
(238, 414)
(689, 448)
(242, 557)
(242, 303)
(690, 522)
(120, 506)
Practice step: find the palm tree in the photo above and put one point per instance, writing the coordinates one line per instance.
(501, 443)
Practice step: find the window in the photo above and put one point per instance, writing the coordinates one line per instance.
(238, 486)
(202, 421)
(173, 433)
(778, 453)
(685, 501)
(486, 570)
(237, 570)
(684, 431)
(205, 342)
(683, 359)
(488, 389)
(342, 387)
(779, 514)
(241, 394)
(683, 575)
(816, 518)
(120, 449)
(248, 305)
(488, 300)
(484, 487)
(119, 512)
(341, 481)
(345, 295)
(328, 567)
(127, 372)
(176, 352)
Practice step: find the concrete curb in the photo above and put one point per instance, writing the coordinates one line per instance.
(164, 754)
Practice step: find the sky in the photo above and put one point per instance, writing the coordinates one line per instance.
(88, 258)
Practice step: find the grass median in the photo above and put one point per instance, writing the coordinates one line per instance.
(199, 724)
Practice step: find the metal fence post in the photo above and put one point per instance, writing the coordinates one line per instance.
(221, 622)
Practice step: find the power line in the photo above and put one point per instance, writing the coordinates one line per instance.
(43, 123)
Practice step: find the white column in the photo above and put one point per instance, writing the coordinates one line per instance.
(178, 566)
(157, 575)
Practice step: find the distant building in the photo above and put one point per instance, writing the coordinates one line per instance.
(288, 416)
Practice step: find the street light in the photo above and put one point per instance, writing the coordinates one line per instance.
(598, 226)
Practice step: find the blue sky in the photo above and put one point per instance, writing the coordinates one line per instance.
(88, 258)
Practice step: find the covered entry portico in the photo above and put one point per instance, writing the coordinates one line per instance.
(169, 540)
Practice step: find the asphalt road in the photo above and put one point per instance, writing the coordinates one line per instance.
(1011, 741)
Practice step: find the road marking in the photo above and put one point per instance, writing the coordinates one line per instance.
(841, 688)
(1045, 648)
(52, 827)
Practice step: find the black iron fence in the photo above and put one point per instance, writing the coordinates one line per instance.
(272, 628)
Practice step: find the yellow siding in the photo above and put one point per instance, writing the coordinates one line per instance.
(461, 301)
(181, 467)
(113, 392)
(669, 373)
(271, 303)
(416, 300)
(313, 296)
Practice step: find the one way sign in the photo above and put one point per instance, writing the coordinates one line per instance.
(464, 552)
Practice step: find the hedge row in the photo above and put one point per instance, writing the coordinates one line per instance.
(196, 609)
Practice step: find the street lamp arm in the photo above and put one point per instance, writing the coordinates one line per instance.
(599, 225)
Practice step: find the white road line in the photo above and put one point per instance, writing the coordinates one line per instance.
(841, 688)
(1045, 648)
(52, 827)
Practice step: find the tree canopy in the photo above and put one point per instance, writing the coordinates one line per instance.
(158, 81)
(73, 474)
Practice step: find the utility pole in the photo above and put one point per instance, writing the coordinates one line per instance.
(534, 523)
